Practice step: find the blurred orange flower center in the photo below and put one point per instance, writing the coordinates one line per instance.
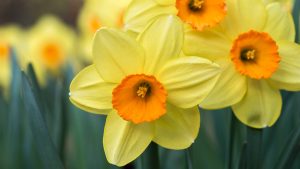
(94, 23)
(140, 98)
(4, 51)
(255, 54)
(201, 14)
(52, 55)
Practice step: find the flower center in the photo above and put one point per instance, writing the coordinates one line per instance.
(139, 98)
(201, 14)
(255, 54)
(52, 55)
(196, 5)
(248, 54)
(143, 89)
(4, 51)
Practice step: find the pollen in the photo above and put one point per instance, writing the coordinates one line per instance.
(140, 98)
(248, 54)
(196, 4)
(201, 14)
(142, 90)
(255, 54)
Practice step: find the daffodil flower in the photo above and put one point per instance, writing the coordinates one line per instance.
(95, 14)
(50, 43)
(255, 47)
(199, 14)
(146, 89)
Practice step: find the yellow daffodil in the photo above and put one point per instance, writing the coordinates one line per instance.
(95, 14)
(10, 39)
(287, 3)
(200, 14)
(145, 88)
(50, 45)
(255, 47)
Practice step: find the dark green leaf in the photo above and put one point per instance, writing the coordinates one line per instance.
(46, 149)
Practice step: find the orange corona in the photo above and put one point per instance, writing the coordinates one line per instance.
(255, 54)
(94, 23)
(52, 55)
(140, 98)
(4, 51)
(201, 14)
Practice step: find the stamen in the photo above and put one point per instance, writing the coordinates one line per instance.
(248, 55)
(143, 89)
(196, 5)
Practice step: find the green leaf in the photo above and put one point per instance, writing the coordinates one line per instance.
(242, 163)
(15, 119)
(254, 148)
(46, 149)
(175, 159)
(296, 16)
(149, 159)
(237, 145)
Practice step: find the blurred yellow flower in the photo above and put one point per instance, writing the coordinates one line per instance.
(10, 39)
(95, 14)
(199, 14)
(257, 53)
(50, 43)
(146, 89)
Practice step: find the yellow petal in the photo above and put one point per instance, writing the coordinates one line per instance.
(261, 105)
(229, 89)
(251, 16)
(116, 54)
(230, 22)
(89, 92)
(287, 76)
(188, 80)
(280, 23)
(162, 41)
(209, 44)
(124, 141)
(244, 15)
(141, 12)
(166, 2)
(178, 128)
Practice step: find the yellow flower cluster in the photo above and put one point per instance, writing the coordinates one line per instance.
(171, 55)
(153, 63)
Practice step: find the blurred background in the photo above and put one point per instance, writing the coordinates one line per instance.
(26, 12)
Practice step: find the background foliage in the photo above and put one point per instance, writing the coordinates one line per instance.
(40, 128)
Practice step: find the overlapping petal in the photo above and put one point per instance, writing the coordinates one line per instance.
(178, 128)
(261, 105)
(113, 52)
(242, 17)
(89, 92)
(188, 80)
(141, 12)
(287, 76)
(229, 89)
(162, 41)
(280, 23)
(124, 141)
(212, 45)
